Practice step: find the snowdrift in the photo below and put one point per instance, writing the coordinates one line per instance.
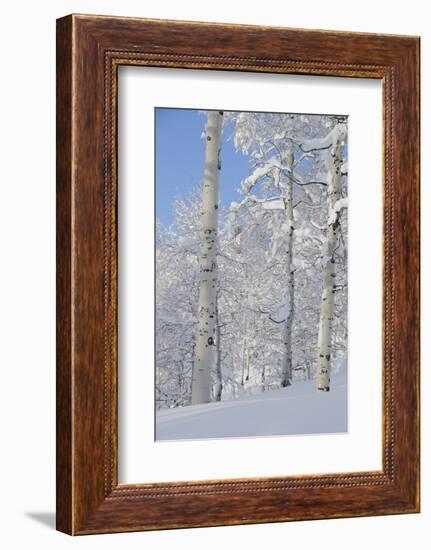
(298, 409)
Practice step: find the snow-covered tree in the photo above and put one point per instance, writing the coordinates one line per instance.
(333, 145)
(250, 296)
(281, 170)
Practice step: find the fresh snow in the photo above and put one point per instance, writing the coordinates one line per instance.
(275, 204)
(298, 409)
(336, 209)
(259, 173)
(338, 132)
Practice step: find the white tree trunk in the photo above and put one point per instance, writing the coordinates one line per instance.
(286, 378)
(206, 351)
(219, 374)
(244, 357)
(327, 304)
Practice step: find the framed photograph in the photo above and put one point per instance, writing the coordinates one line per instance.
(237, 274)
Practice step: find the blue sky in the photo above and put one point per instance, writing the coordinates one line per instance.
(180, 153)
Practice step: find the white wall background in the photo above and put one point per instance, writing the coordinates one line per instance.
(27, 288)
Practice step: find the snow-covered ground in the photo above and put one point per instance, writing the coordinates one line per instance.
(299, 409)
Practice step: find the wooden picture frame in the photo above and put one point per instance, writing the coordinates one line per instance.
(89, 51)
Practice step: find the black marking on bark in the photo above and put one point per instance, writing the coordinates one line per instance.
(210, 341)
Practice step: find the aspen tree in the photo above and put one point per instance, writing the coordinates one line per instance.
(206, 345)
(286, 379)
(335, 161)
